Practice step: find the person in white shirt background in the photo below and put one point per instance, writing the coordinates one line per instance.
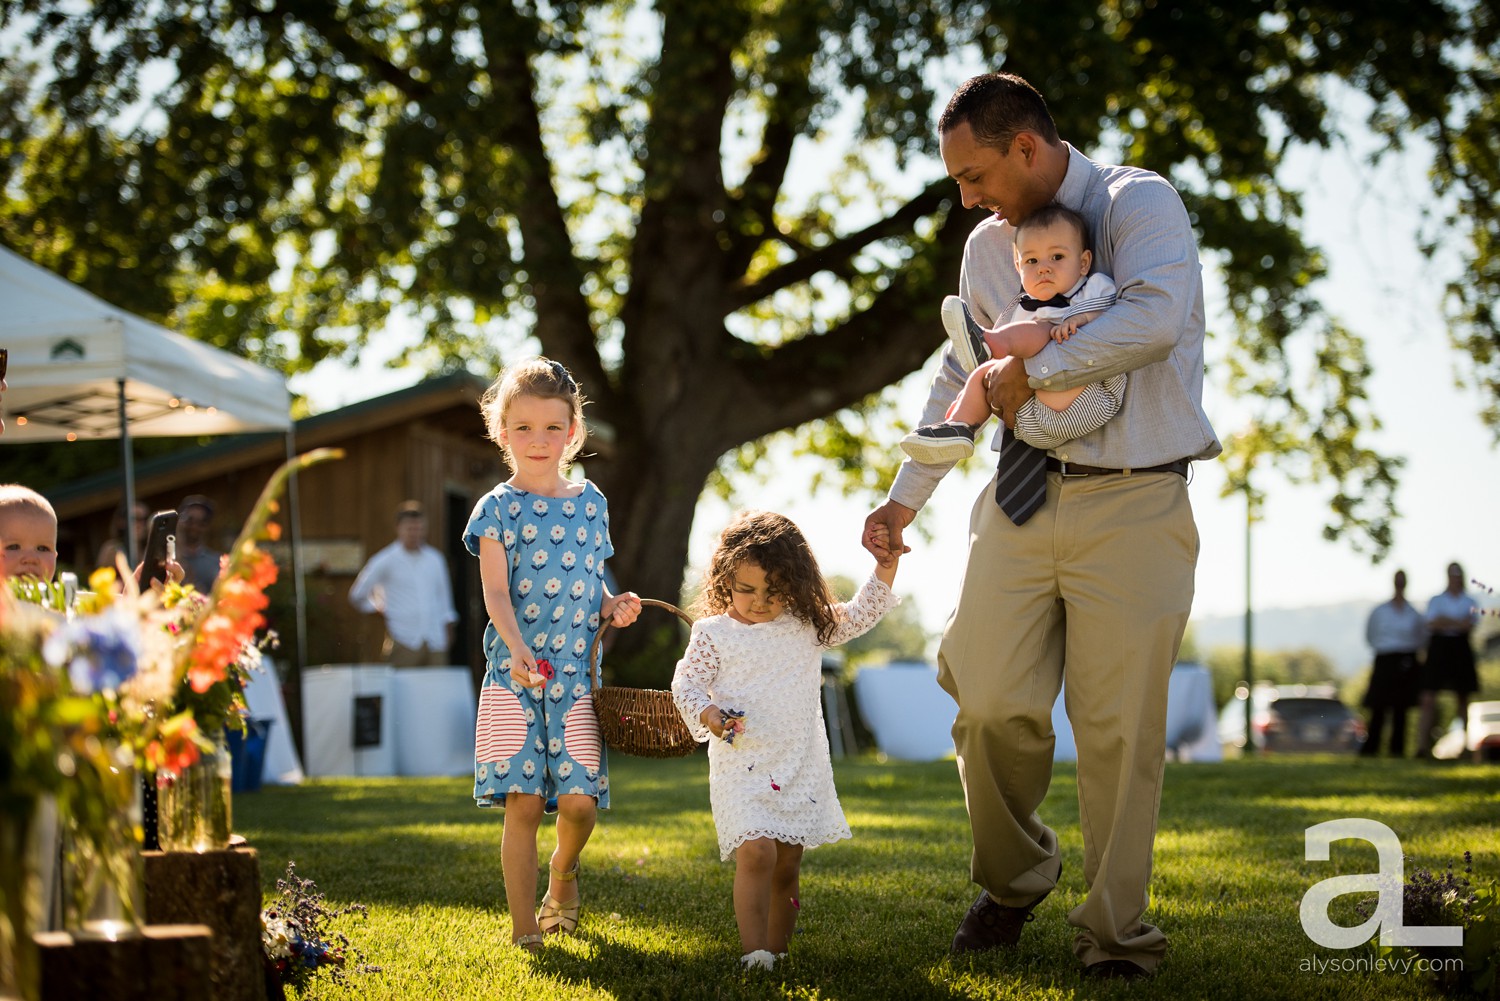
(407, 582)
(1396, 631)
(1450, 657)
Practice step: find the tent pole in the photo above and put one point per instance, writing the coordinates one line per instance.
(294, 521)
(127, 460)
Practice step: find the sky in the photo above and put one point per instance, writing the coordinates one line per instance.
(1379, 285)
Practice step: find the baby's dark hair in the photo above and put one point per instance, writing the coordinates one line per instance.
(772, 542)
(539, 377)
(1052, 213)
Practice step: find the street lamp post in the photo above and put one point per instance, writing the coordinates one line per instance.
(1249, 663)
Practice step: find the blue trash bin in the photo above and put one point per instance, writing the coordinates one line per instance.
(247, 753)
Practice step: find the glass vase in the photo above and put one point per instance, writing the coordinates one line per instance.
(20, 898)
(193, 805)
(103, 879)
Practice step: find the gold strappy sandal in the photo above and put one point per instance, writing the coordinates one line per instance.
(531, 943)
(559, 917)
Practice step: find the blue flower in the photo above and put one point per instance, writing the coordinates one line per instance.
(101, 652)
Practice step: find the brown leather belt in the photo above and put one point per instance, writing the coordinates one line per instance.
(1180, 467)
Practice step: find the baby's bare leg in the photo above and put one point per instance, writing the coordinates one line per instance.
(972, 405)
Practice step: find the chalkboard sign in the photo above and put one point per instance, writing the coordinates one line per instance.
(367, 721)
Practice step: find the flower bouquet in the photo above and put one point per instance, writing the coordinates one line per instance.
(91, 691)
(207, 654)
(299, 939)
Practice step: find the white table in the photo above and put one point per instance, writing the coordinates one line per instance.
(909, 715)
(332, 694)
(434, 720)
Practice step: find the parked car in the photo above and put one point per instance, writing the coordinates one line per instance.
(1292, 718)
(1481, 741)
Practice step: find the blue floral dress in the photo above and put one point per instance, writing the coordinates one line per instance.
(546, 740)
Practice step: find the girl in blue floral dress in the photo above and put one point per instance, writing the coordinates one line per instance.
(542, 540)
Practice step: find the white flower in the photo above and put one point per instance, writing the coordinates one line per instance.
(576, 591)
(514, 507)
(491, 532)
(556, 533)
(565, 769)
(554, 746)
(529, 768)
(509, 538)
(528, 533)
(539, 559)
(538, 507)
(569, 560)
(569, 509)
(582, 535)
(552, 587)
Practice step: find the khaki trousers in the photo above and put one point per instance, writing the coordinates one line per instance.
(423, 656)
(1095, 587)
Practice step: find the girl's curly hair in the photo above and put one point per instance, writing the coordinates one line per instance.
(542, 378)
(772, 542)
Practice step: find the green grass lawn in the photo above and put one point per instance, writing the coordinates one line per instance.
(879, 911)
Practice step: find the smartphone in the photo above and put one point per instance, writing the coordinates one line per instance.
(163, 529)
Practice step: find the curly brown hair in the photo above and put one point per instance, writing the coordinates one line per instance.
(775, 544)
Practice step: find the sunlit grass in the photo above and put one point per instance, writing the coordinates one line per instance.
(878, 911)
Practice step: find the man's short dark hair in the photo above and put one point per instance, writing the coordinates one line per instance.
(409, 509)
(997, 107)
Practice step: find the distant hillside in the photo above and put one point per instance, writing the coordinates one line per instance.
(1337, 630)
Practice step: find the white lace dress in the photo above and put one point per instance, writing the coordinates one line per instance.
(775, 780)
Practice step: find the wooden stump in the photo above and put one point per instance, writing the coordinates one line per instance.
(166, 963)
(221, 890)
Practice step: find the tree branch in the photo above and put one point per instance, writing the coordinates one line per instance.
(834, 256)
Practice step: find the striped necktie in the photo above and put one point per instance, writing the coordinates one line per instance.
(1021, 482)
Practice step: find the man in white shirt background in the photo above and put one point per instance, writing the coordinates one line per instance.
(1396, 631)
(407, 582)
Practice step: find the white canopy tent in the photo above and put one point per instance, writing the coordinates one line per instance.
(81, 368)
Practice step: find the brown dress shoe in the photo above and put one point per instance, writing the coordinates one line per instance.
(991, 925)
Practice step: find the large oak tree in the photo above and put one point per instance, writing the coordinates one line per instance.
(631, 186)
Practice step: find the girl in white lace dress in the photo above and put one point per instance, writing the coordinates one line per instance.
(751, 679)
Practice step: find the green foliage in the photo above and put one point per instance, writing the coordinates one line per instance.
(635, 191)
(1301, 666)
(878, 911)
(899, 635)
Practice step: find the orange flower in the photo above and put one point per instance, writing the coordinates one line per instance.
(175, 747)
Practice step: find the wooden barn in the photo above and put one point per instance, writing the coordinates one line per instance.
(425, 443)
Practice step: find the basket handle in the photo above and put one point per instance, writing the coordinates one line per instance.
(604, 627)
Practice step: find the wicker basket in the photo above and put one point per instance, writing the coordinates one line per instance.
(640, 721)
